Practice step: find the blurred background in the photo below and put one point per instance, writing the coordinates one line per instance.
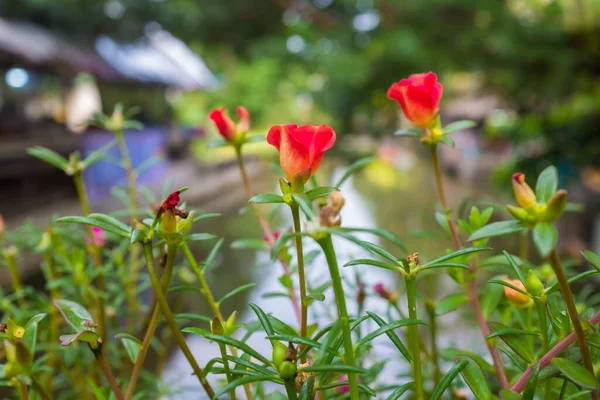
(527, 71)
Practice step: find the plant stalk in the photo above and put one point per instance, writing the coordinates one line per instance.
(301, 276)
(37, 386)
(553, 353)
(24, 394)
(472, 286)
(340, 300)
(290, 389)
(572, 309)
(413, 335)
(11, 262)
(264, 225)
(540, 306)
(223, 350)
(170, 318)
(95, 252)
(139, 362)
(108, 374)
(437, 374)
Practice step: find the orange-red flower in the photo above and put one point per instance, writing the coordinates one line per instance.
(226, 127)
(523, 192)
(301, 148)
(419, 96)
(517, 298)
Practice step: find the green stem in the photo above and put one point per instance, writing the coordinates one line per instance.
(226, 368)
(301, 276)
(529, 327)
(540, 306)
(340, 300)
(11, 262)
(139, 362)
(524, 245)
(413, 335)
(437, 375)
(170, 318)
(572, 309)
(95, 252)
(290, 389)
(214, 306)
(37, 386)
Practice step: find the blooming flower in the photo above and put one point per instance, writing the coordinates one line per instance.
(301, 148)
(523, 192)
(517, 298)
(419, 96)
(226, 127)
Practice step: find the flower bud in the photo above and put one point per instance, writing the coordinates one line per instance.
(287, 370)
(384, 293)
(518, 299)
(556, 206)
(184, 225)
(521, 214)
(523, 192)
(533, 284)
(230, 323)
(216, 327)
(279, 353)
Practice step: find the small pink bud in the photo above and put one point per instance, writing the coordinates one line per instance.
(379, 289)
(99, 236)
(342, 389)
(276, 236)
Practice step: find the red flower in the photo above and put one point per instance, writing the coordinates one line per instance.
(301, 148)
(171, 201)
(419, 96)
(226, 127)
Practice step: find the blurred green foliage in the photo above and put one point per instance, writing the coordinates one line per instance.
(333, 60)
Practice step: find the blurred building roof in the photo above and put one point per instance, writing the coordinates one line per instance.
(158, 59)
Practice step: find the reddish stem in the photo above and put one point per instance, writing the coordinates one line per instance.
(554, 352)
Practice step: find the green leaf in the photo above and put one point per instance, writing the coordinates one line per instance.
(254, 244)
(545, 237)
(391, 335)
(575, 373)
(95, 222)
(529, 392)
(313, 344)
(458, 126)
(395, 395)
(454, 254)
(491, 297)
(49, 156)
(335, 368)
(450, 354)
(592, 258)
(475, 378)
(305, 205)
(579, 277)
(507, 394)
(375, 263)
(98, 155)
(192, 317)
(497, 229)
(267, 198)
(319, 192)
(579, 395)
(444, 265)
(228, 341)
(377, 232)
(511, 331)
(132, 345)
(306, 389)
(109, 219)
(447, 380)
(447, 141)
(451, 303)
(199, 236)
(236, 291)
(515, 267)
(389, 327)
(361, 386)
(75, 314)
(365, 245)
(30, 336)
(510, 285)
(263, 318)
(415, 132)
(355, 166)
(248, 379)
(547, 184)
(515, 342)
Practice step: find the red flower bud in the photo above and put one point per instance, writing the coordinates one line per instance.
(171, 201)
(301, 148)
(523, 193)
(267, 239)
(517, 298)
(226, 127)
(419, 96)
(224, 124)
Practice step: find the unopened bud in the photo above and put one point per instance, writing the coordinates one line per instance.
(533, 284)
(230, 323)
(521, 214)
(184, 225)
(523, 192)
(279, 353)
(287, 370)
(556, 206)
(216, 327)
(384, 293)
(518, 299)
